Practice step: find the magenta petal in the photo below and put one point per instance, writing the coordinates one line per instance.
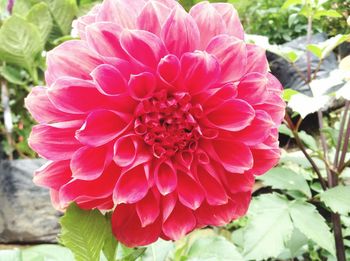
(257, 61)
(214, 190)
(165, 177)
(53, 143)
(53, 174)
(142, 86)
(180, 222)
(232, 115)
(82, 191)
(199, 71)
(132, 186)
(88, 163)
(128, 229)
(109, 80)
(274, 106)
(101, 127)
(231, 53)
(148, 209)
(130, 149)
(60, 62)
(104, 37)
(215, 215)
(119, 12)
(144, 47)
(180, 25)
(75, 96)
(42, 109)
(152, 17)
(231, 18)
(237, 183)
(169, 68)
(210, 23)
(168, 204)
(264, 159)
(235, 157)
(190, 192)
(253, 88)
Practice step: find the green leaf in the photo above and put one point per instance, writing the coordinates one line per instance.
(315, 49)
(283, 129)
(305, 105)
(283, 178)
(328, 13)
(288, 93)
(158, 251)
(63, 12)
(337, 199)
(19, 42)
(129, 254)
(12, 75)
(10, 255)
(308, 140)
(47, 252)
(323, 49)
(306, 218)
(269, 227)
(83, 232)
(213, 248)
(40, 16)
(289, 3)
(110, 243)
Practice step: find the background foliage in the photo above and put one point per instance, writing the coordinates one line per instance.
(290, 217)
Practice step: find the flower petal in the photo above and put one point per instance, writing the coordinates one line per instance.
(237, 183)
(253, 88)
(60, 62)
(88, 163)
(190, 192)
(210, 23)
(109, 80)
(232, 115)
(142, 46)
(152, 17)
(274, 106)
(231, 18)
(42, 109)
(169, 68)
(180, 222)
(256, 61)
(180, 25)
(132, 186)
(53, 174)
(142, 86)
(53, 143)
(231, 53)
(199, 71)
(165, 177)
(101, 127)
(148, 209)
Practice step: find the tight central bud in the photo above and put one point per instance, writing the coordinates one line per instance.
(166, 124)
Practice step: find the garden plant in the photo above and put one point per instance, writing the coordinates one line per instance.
(166, 136)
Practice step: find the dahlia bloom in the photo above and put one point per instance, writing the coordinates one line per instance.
(160, 115)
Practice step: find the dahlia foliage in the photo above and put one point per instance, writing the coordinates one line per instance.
(160, 115)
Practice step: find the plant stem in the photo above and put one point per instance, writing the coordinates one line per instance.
(339, 244)
(308, 53)
(345, 145)
(5, 102)
(317, 69)
(341, 133)
(303, 149)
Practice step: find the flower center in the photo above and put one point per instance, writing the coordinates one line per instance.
(166, 124)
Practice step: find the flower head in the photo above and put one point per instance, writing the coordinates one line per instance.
(163, 116)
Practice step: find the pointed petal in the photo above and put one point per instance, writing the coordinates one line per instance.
(148, 209)
(179, 223)
(231, 53)
(101, 127)
(127, 227)
(215, 215)
(231, 18)
(169, 68)
(142, 86)
(253, 88)
(168, 204)
(130, 149)
(237, 183)
(53, 174)
(256, 61)
(199, 71)
(131, 187)
(274, 106)
(165, 177)
(143, 47)
(61, 62)
(190, 192)
(42, 109)
(264, 160)
(88, 163)
(152, 17)
(232, 115)
(53, 143)
(109, 80)
(210, 23)
(180, 25)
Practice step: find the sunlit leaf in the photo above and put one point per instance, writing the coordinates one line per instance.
(337, 199)
(40, 16)
(329, 13)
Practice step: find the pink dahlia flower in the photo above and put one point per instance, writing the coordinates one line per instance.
(160, 115)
